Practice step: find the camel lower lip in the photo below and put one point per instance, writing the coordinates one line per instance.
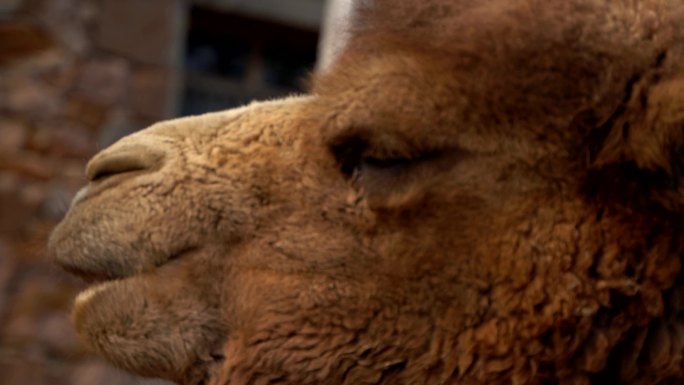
(100, 282)
(88, 294)
(82, 193)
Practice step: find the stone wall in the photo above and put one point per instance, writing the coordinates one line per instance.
(75, 75)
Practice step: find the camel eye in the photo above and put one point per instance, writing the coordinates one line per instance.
(348, 153)
(386, 177)
(388, 164)
(359, 158)
(356, 158)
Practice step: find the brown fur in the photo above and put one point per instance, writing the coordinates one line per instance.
(476, 192)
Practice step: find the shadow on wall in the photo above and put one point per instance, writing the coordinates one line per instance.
(75, 75)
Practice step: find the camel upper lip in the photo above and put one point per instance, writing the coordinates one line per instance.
(91, 277)
(103, 275)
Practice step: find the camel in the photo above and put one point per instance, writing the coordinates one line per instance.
(482, 192)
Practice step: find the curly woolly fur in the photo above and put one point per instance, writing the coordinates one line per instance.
(474, 192)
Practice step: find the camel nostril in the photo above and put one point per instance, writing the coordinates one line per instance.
(123, 159)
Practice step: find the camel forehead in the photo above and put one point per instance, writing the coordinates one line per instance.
(490, 34)
(466, 19)
(448, 68)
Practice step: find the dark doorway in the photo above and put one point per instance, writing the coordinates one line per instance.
(232, 59)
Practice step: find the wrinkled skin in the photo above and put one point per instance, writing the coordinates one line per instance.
(472, 194)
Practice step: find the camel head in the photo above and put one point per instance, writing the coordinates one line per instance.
(472, 193)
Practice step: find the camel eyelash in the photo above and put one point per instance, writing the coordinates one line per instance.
(360, 165)
(384, 163)
(353, 155)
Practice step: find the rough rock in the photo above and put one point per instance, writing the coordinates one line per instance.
(13, 134)
(63, 139)
(66, 75)
(21, 40)
(152, 40)
(149, 92)
(104, 80)
(29, 96)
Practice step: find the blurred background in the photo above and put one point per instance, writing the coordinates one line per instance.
(76, 75)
